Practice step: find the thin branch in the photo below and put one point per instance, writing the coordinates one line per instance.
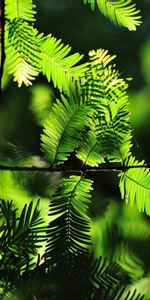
(2, 43)
(65, 170)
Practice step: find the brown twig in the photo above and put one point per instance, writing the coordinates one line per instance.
(65, 170)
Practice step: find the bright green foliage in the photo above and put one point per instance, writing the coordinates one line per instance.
(28, 53)
(89, 149)
(69, 231)
(63, 128)
(96, 124)
(121, 12)
(105, 91)
(135, 185)
(21, 41)
(22, 51)
(18, 9)
(57, 66)
(102, 96)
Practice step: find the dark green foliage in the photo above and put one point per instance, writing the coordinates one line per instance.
(69, 229)
(20, 234)
(20, 238)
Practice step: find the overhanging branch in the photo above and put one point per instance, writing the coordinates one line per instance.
(65, 170)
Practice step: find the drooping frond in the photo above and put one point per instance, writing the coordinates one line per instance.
(135, 185)
(20, 236)
(28, 53)
(22, 51)
(89, 150)
(113, 284)
(57, 65)
(69, 230)
(121, 12)
(20, 9)
(124, 293)
(106, 92)
(63, 129)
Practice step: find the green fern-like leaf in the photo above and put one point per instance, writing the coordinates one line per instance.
(89, 150)
(20, 235)
(125, 294)
(20, 239)
(22, 51)
(62, 130)
(135, 185)
(105, 91)
(69, 230)
(121, 12)
(18, 9)
(59, 67)
(28, 53)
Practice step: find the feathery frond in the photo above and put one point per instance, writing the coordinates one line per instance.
(135, 185)
(62, 129)
(57, 65)
(106, 92)
(94, 124)
(20, 235)
(18, 9)
(89, 150)
(70, 226)
(29, 53)
(22, 51)
(121, 12)
(126, 294)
